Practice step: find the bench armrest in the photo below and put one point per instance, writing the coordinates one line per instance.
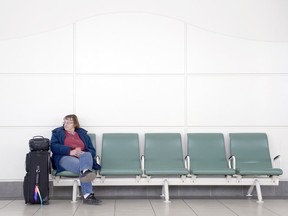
(98, 159)
(275, 159)
(232, 159)
(142, 164)
(187, 163)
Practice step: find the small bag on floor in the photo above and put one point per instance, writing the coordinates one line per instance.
(39, 143)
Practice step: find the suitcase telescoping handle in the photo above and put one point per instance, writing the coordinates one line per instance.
(37, 175)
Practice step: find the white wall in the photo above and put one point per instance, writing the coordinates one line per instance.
(142, 71)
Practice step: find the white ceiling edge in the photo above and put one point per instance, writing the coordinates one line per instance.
(262, 20)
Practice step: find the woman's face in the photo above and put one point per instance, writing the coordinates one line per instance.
(69, 125)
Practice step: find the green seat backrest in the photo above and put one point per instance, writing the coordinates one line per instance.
(251, 150)
(120, 154)
(93, 139)
(207, 150)
(163, 151)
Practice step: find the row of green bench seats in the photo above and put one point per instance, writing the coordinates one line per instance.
(163, 161)
(206, 155)
(163, 155)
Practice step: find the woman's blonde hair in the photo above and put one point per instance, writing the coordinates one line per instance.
(74, 118)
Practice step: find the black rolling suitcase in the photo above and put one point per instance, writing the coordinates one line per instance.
(36, 180)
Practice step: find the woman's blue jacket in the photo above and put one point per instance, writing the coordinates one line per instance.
(59, 149)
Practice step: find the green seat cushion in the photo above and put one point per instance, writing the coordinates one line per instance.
(259, 171)
(256, 168)
(65, 174)
(170, 171)
(212, 171)
(118, 171)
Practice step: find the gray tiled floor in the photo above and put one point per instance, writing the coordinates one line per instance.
(152, 207)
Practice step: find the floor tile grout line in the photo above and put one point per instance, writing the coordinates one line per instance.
(271, 211)
(37, 211)
(79, 204)
(7, 204)
(115, 207)
(152, 207)
(227, 207)
(257, 206)
(189, 207)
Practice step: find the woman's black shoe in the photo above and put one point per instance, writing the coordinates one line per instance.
(91, 200)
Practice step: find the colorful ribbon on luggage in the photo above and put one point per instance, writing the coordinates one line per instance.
(37, 193)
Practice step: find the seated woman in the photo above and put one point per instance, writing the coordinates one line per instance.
(73, 151)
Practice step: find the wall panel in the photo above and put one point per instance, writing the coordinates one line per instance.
(49, 52)
(130, 43)
(237, 100)
(34, 100)
(130, 100)
(209, 52)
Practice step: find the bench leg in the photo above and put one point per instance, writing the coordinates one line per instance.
(165, 191)
(258, 190)
(75, 191)
(259, 193)
(249, 193)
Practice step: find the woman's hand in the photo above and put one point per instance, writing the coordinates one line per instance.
(75, 152)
